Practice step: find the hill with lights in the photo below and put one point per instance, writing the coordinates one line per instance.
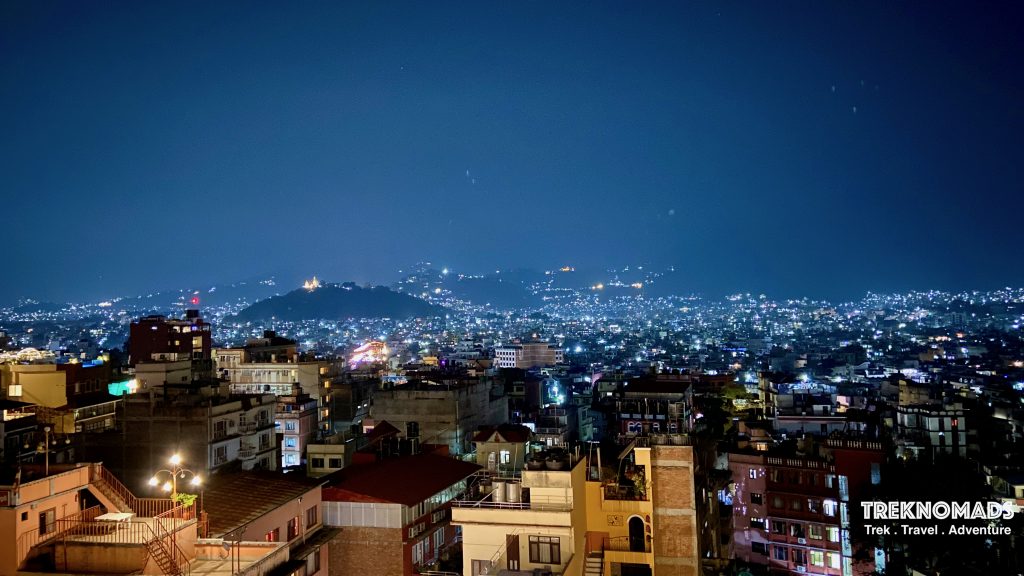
(337, 302)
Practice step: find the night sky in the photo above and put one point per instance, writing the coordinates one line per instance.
(819, 149)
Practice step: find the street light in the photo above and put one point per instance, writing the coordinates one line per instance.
(173, 473)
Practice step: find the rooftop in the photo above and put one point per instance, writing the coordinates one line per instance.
(407, 480)
(233, 500)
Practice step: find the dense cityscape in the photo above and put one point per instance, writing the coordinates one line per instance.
(612, 288)
(595, 432)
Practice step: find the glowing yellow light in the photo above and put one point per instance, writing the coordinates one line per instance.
(167, 486)
(176, 459)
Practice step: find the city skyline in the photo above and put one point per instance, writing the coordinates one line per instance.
(820, 150)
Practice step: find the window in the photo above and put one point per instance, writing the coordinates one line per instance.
(796, 530)
(274, 535)
(291, 441)
(796, 504)
(817, 557)
(833, 559)
(220, 455)
(830, 507)
(289, 425)
(334, 462)
(798, 556)
(293, 528)
(778, 527)
(311, 517)
(780, 553)
(545, 550)
(47, 521)
(759, 548)
(814, 505)
(829, 480)
(753, 473)
(777, 502)
(318, 462)
(756, 498)
(506, 456)
(833, 534)
(758, 523)
(814, 531)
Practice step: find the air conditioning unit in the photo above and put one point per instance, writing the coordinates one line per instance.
(801, 540)
(801, 568)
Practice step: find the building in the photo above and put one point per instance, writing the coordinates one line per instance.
(502, 448)
(924, 430)
(527, 355)
(80, 519)
(442, 413)
(272, 365)
(264, 506)
(567, 515)
(515, 525)
(295, 419)
(188, 338)
(393, 513)
(212, 429)
(791, 512)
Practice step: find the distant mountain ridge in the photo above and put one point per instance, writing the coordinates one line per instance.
(338, 301)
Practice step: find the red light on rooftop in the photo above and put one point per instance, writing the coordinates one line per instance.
(195, 300)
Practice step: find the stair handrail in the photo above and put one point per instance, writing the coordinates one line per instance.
(175, 514)
(120, 490)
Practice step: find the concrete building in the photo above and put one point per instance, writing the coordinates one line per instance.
(48, 524)
(210, 428)
(295, 419)
(393, 513)
(448, 413)
(561, 517)
(272, 365)
(527, 355)
(266, 506)
(158, 337)
(517, 525)
(502, 448)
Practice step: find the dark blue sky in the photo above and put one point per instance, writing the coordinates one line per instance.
(820, 148)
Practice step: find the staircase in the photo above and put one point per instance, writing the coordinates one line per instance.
(163, 557)
(114, 497)
(594, 565)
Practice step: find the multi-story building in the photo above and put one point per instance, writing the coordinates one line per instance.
(527, 355)
(924, 430)
(560, 517)
(447, 413)
(516, 525)
(266, 506)
(394, 513)
(153, 337)
(296, 422)
(209, 427)
(273, 365)
(50, 523)
(791, 513)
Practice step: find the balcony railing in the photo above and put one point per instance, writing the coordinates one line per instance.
(623, 544)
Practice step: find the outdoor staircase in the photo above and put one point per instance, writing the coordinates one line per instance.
(594, 565)
(108, 495)
(163, 558)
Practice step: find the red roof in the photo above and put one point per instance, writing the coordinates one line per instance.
(407, 480)
(511, 433)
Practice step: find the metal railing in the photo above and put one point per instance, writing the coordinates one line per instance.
(30, 540)
(622, 544)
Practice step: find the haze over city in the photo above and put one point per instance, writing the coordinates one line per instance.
(802, 149)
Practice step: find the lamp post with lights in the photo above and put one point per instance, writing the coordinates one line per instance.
(173, 473)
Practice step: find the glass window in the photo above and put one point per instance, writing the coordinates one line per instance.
(780, 553)
(814, 531)
(756, 498)
(545, 550)
(833, 533)
(817, 557)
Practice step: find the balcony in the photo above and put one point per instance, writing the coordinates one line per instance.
(247, 453)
